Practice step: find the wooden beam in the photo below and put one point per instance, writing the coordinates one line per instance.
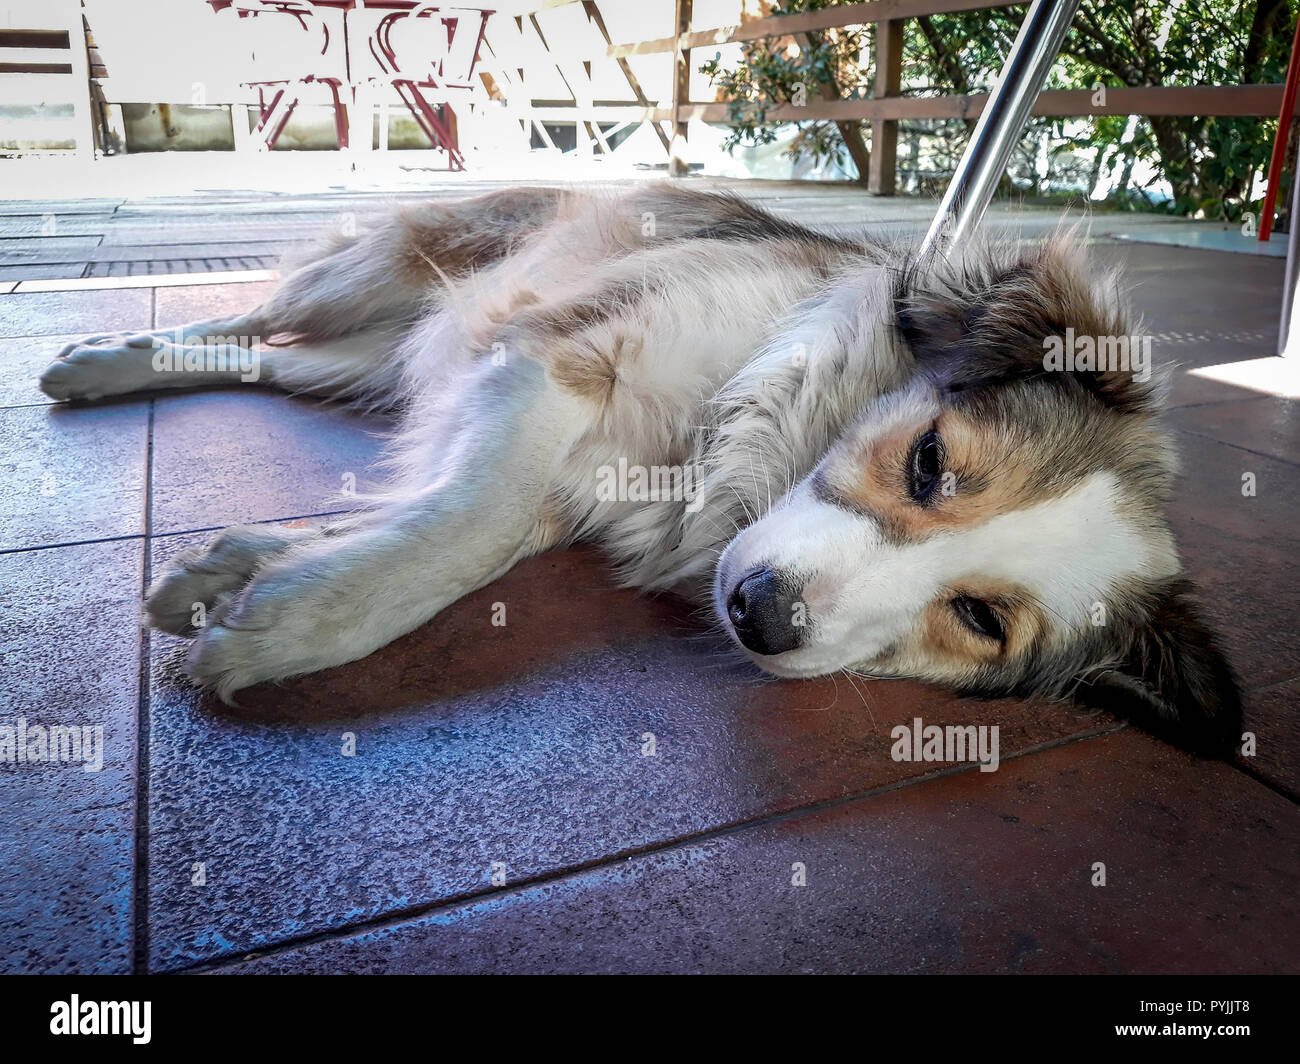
(627, 112)
(1218, 100)
(784, 25)
(1221, 100)
(677, 163)
(82, 105)
(28, 66)
(35, 39)
(884, 131)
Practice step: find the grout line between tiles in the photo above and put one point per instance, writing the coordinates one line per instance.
(140, 944)
(1277, 788)
(176, 532)
(1238, 447)
(72, 543)
(1223, 402)
(259, 521)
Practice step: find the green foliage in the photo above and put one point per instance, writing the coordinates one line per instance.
(769, 77)
(1210, 163)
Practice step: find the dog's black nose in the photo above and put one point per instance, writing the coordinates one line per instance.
(762, 611)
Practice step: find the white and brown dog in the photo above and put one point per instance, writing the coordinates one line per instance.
(871, 465)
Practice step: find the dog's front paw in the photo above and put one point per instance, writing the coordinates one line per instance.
(99, 366)
(190, 582)
(276, 627)
(241, 644)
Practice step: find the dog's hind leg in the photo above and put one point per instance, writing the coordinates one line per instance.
(363, 366)
(330, 599)
(369, 287)
(402, 264)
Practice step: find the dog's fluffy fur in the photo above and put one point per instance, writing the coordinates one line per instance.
(810, 392)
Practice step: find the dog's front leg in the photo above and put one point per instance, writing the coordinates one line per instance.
(332, 600)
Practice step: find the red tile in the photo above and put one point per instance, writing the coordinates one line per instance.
(1238, 547)
(1264, 425)
(188, 303)
(1271, 714)
(1187, 389)
(1219, 298)
(521, 744)
(22, 360)
(969, 873)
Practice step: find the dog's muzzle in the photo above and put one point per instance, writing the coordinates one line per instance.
(765, 612)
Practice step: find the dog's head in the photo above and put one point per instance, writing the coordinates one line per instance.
(996, 524)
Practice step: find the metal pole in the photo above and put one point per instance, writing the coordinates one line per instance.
(1288, 342)
(1001, 123)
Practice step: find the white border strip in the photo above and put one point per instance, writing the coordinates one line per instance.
(149, 280)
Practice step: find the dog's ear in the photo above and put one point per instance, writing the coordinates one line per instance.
(975, 326)
(1170, 677)
(934, 329)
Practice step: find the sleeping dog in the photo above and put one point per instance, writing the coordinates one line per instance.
(857, 458)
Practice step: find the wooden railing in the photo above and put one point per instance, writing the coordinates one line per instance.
(884, 109)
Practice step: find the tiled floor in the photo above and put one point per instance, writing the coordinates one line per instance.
(518, 753)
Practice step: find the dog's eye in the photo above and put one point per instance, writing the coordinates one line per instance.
(925, 466)
(979, 617)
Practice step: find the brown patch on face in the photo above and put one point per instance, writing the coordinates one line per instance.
(985, 473)
(947, 640)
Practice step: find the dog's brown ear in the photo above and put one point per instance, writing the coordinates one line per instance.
(975, 328)
(933, 328)
(1171, 678)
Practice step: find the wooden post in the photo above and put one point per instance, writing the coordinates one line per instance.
(82, 110)
(884, 131)
(677, 165)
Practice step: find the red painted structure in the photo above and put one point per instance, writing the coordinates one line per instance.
(369, 55)
(1279, 142)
